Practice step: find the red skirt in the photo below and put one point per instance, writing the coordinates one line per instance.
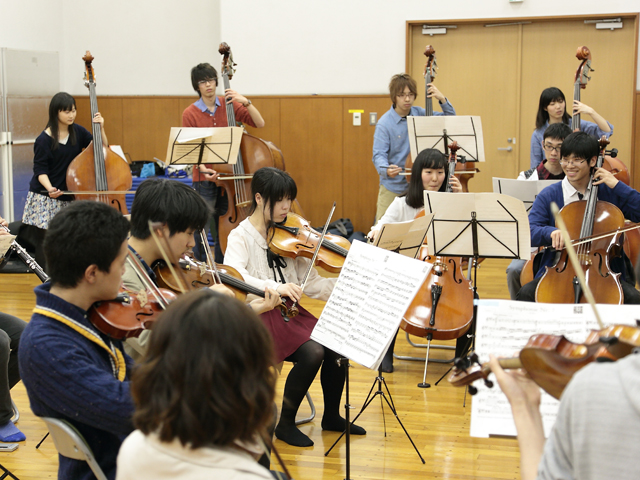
(288, 336)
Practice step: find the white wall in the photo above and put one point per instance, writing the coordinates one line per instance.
(353, 46)
(146, 47)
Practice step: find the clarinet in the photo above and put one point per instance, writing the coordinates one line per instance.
(28, 261)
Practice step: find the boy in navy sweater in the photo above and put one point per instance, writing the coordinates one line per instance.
(579, 153)
(71, 370)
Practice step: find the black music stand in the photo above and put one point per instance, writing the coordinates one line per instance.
(194, 146)
(487, 225)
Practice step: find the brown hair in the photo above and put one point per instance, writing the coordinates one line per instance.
(398, 84)
(206, 378)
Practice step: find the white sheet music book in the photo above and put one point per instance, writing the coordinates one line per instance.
(503, 329)
(524, 190)
(427, 132)
(407, 237)
(373, 291)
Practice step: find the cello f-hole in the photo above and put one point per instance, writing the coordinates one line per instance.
(455, 271)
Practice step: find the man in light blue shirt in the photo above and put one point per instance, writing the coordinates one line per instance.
(391, 139)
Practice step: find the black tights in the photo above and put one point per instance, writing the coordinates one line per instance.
(308, 358)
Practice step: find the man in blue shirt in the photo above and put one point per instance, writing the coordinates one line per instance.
(391, 139)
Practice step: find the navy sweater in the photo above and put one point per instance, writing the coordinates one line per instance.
(70, 377)
(542, 222)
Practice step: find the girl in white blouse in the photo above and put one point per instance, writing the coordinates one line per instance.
(429, 172)
(248, 252)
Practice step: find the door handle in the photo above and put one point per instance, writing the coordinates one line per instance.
(507, 149)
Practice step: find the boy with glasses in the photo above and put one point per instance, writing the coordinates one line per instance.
(391, 138)
(205, 113)
(579, 154)
(549, 169)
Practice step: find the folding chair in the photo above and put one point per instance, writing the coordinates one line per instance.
(70, 443)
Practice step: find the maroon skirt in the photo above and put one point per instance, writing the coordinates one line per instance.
(288, 336)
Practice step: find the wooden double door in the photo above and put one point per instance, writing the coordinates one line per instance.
(498, 72)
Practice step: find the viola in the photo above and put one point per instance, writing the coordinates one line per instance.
(552, 360)
(585, 219)
(611, 163)
(295, 237)
(463, 172)
(199, 275)
(97, 168)
(443, 307)
(130, 313)
(254, 154)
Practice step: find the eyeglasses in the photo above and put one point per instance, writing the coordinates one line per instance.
(410, 96)
(572, 161)
(208, 80)
(551, 148)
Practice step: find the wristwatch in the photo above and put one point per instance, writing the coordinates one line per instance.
(248, 103)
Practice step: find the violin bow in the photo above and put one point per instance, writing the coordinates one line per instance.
(180, 280)
(575, 262)
(148, 284)
(210, 263)
(315, 253)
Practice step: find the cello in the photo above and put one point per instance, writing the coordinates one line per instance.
(97, 168)
(443, 307)
(559, 284)
(463, 173)
(254, 154)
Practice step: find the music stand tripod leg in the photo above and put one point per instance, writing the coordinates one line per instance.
(379, 380)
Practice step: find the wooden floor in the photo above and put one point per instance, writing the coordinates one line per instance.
(435, 418)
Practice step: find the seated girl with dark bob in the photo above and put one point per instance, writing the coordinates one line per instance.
(203, 392)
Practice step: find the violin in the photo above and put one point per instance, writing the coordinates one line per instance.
(611, 163)
(295, 237)
(552, 360)
(254, 154)
(586, 218)
(463, 173)
(130, 313)
(199, 275)
(443, 307)
(97, 168)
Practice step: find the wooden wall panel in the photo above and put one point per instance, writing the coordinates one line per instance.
(360, 179)
(311, 141)
(635, 166)
(270, 110)
(111, 109)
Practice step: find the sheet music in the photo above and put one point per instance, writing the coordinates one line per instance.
(373, 291)
(427, 132)
(407, 237)
(5, 243)
(503, 229)
(503, 329)
(524, 190)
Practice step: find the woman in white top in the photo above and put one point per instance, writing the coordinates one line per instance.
(248, 252)
(429, 172)
(203, 392)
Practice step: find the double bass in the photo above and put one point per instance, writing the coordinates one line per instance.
(463, 172)
(254, 154)
(97, 168)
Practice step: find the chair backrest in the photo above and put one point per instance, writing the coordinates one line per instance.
(70, 443)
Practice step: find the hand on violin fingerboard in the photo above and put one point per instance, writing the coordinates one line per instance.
(269, 302)
(602, 175)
